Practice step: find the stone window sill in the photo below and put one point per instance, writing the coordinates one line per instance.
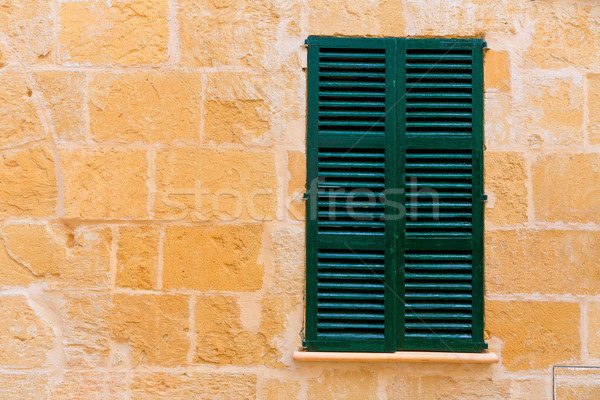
(399, 357)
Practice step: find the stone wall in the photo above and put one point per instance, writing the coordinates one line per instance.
(151, 158)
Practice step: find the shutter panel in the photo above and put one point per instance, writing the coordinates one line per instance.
(351, 156)
(441, 137)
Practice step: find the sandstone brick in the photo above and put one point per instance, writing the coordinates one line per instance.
(236, 33)
(593, 315)
(442, 387)
(146, 107)
(288, 259)
(62, 98)
(552, 111)
(462, 18)
(244, 121)
(343, 385)
(23, 386)
(532, 389)
(19, 120)
(536, 335)
(62, 257)
(137, 257)
(505, 184)
(594, 108)
(296, 185)
(190, 385)
(121, 32)
(153, 326)
(277, 389)
(90, 385)
(577, 383)
(496, 65)
(27, 183)
(216, 185)
(28, 27)
(500, 121)
(558, 262)
(105, 184)
(25, 337)
(86, 331)
(566, 188)
(558, 35)
(225, 257)
(343, 17)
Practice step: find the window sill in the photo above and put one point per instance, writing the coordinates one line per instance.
(399, 357)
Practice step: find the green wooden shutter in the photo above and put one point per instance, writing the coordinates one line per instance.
(441, 140)
(351, 156)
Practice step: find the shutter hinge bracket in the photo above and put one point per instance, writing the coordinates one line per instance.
(484, 197)
(484, 45)
(305, 196)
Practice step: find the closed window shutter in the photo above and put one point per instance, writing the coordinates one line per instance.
(351, 153)
(400, 119)
(441, 141)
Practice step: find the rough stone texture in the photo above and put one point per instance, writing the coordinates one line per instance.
(137, 257)
(505, 184)
(185, 386)
(532, 389)
(496, 70)
(277, 389)
(61, 256)
(593, 81)
(551, 111)
(19, 117)
(548, 262)
(226, 257)
(288, 246)
(122, 32)
(27, 183)
(145, 107)
(23, 386)
(438, 387)
(500, 127)
(62, 97)
(236, 122)
(27, 27)
(343, 384)
(565, 34)
(566, 188)
(296, 185)
(25, 337)
(105, 184)
(577, 383)
(226, 185)
(593, 332)
(90, 385)
(535, 335)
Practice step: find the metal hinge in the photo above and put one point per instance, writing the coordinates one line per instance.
(484, 197)
(305, 196)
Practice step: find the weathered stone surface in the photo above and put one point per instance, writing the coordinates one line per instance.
(296, 185)
(90, 385)
(441, 387)
(146, 107)
(577, 383)
(341, 17)
(62, 98)
(564, 34)
(25, 337)
(277, 389)
(593, 333)
(27, 183)
(137, 257)
(505, 184)
(237, 33)
(466, 18)
(566, 188)
(225, 257)
(288, 259)
(28, 27)
(190, 385)
(536, 335)
(551, 111)
(105, 184)
(86, 333)
(23, 386)
(245, 121)
(224, 185)
(496, 70)
(63, 257)
(343, 384)
(19, 119)
(153, 326)
(532, 389)
(593, 81)
(500, 121)
(557, 262)
(121, 32)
